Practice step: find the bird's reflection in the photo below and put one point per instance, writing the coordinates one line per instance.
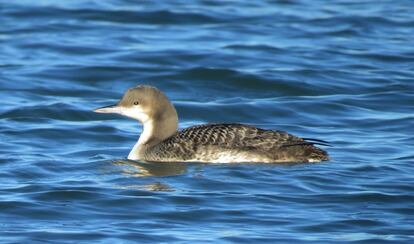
(142, 169)
(156, 186)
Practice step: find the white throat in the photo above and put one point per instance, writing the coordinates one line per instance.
(154, 132)
(143, 141)
(147, 133)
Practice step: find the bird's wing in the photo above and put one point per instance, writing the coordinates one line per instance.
(237, 135)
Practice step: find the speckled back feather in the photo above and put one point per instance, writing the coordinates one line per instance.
(206, 142)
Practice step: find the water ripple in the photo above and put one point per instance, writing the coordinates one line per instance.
(340, 71)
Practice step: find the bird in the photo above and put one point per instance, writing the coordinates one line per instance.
(161, 141)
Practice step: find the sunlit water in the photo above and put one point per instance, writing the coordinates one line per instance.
(340, 71)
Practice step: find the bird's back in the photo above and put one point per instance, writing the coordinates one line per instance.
(226, 143)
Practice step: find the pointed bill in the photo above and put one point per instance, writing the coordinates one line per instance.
(111, 109)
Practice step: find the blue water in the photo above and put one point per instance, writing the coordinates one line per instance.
(341, 71)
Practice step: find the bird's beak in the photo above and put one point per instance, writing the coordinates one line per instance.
(111, 109)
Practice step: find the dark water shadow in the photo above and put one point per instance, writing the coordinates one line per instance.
(159, 169)
(146, 169)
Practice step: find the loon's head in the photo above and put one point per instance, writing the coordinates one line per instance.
(143, 103)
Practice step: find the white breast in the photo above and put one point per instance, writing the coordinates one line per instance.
(215, 155)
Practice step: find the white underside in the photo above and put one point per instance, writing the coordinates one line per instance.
(213, 155)
(227, 160)
(223, 158)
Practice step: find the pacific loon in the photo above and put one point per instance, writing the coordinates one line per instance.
(160, 140)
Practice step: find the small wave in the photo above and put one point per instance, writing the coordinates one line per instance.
(261, 48)
(158, 17)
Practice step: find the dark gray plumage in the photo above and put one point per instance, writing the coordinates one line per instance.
(204, 143)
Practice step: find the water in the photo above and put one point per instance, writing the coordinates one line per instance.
(340, 71)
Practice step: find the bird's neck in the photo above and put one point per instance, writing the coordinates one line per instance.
(154, 131)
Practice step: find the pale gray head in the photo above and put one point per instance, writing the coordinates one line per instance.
(149, 106)
(142, 103)
(153, 109)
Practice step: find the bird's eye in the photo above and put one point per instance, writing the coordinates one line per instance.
(136, 103)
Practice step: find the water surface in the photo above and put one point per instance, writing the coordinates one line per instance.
(340, 71)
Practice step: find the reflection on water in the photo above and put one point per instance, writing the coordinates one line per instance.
(156, 186)
(340, 71)
(142, 169)
(149, 169)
